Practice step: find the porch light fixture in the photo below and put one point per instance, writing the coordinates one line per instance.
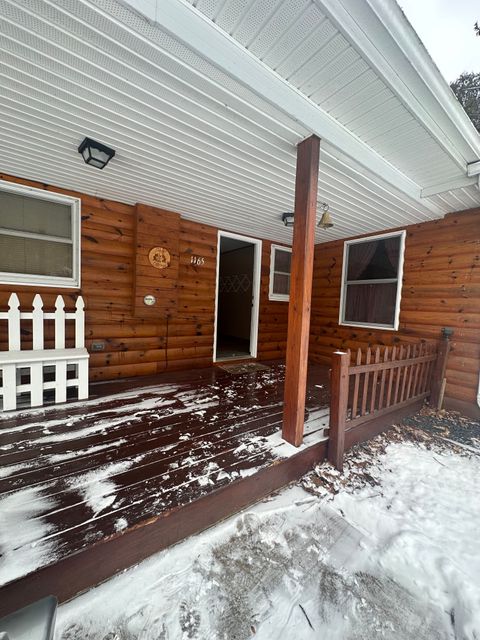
(287, 219)
(95, 153)
(326, 221)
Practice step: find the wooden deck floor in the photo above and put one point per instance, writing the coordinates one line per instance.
(90, 488)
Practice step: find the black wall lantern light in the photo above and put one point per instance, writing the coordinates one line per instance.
(287, 219)
(95, 153)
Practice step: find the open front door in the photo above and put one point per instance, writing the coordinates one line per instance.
(237, 302)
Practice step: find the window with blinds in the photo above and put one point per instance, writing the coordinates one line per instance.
(39, 237)
(280, 267)
(372, 281)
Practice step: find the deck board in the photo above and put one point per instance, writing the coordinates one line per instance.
(90, 473)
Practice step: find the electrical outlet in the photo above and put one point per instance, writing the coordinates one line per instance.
(97, 346)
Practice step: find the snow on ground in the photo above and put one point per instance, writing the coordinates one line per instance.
(388, 549)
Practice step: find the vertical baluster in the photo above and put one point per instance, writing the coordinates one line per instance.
(404, 374)
(383, 379)
(398, 371)
(60, 365)
(82, 365)
(79, 323)
(390, 377)
(9, 387)
(428, 368)
(374, 381)
(9, 371)
(365, 383)
(59, 323)
(37, 322)
(14, 343)
(82, 374)
(36, 368)
(356, 385)
(432, 367)
(410, 373)
(418, 370)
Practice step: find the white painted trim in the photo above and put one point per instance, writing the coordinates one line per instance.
(34, 236)
(28, 280)
(399, 279)
(473, 169)
(450, 185)
(276, 297)
(187, 24)
(382, 34)
(256, 281)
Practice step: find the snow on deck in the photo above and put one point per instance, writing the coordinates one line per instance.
(73, 475)
(392, 555)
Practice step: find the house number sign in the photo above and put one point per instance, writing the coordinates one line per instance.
(198, 261)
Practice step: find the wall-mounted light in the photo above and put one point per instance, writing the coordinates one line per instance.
(287, 219)
(95, 153)
(326, 221)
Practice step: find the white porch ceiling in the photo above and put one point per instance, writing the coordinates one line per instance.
(196, 139)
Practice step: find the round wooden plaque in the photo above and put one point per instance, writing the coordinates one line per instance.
(159, 257)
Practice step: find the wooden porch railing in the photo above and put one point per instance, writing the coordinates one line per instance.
(379, 381)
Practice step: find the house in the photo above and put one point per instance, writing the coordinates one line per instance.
(218, 124)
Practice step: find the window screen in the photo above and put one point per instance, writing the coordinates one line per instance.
(372, 281)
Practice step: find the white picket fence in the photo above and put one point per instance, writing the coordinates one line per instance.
(38, 362)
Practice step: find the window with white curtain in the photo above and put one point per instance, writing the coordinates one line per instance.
(372, 281)
(39, 237)
(280, 267)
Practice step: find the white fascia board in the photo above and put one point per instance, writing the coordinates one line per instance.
(450, 185)
(197, 32)
(382, 35)
(473, 169)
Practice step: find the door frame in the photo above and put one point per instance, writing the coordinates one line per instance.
(257, 270)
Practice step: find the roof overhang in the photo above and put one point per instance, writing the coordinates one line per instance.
(205, 102)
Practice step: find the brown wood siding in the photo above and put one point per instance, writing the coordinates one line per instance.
(441, 288)
(144, 346)
(273, 317)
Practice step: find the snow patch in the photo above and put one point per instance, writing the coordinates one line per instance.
(22, 528)
(97, 487)
(68, 455)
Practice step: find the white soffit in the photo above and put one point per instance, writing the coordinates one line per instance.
(192, 138)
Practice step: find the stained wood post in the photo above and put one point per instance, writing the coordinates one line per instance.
(306, 182)
(438, 375)
(338, 408)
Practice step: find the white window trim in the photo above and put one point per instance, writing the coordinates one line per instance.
(399, 280)
(278, 297)
(29, 280)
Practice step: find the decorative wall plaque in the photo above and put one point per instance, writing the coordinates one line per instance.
(159, 257)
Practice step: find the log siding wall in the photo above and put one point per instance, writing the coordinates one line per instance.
(441, 288)
(144, 346)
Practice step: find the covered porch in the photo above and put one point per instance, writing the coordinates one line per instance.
(93, 487)
(221, 122)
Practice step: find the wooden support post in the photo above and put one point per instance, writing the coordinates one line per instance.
(338, 408)
(438, 374)
(306, 182)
